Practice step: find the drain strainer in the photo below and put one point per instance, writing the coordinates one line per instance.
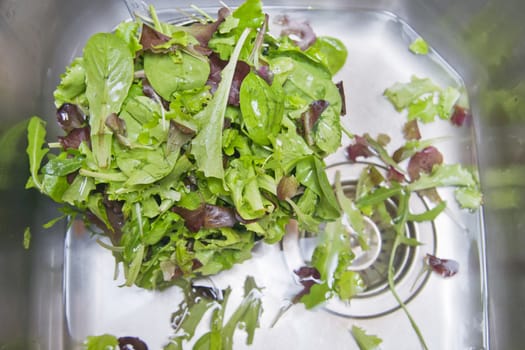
(372, 264)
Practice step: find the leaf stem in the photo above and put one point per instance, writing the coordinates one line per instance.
(400, 222)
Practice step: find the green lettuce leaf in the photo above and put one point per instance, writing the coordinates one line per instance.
(72, 85)
(419, 46)
(365, 341)
(401, 95)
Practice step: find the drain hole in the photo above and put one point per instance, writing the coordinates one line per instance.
(377, 299)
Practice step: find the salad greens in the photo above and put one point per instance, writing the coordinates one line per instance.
(178, 137)
(186, 145)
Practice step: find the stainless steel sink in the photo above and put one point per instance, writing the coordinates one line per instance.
(61, 289)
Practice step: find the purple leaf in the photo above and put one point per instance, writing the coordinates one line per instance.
(151, 38)
(207, 216)
(311, 116)
(204, 32)
(265, 73)
(148, 91)
(241, 71)
(444, 267)
(75, 137)
(300, 29)
(70, 116)
(424, 161)
(360, 148)
(308, 276)
(394, 175)
(131, 343)
(460, 116)
(341, 89)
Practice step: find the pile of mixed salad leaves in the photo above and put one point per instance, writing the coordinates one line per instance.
(187, 144)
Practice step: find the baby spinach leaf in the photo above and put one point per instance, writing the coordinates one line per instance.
(108, 63)
(261, 109)
(168, 74)
(329, 51)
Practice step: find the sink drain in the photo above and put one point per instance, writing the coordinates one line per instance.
(372, 265)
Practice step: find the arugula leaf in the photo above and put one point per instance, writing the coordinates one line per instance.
(429, 215)
(310, 172)
(364, 340)
(109, 73)
(403, 94)
(207, 145)
(419, 46)
(62, 166)
(36, 134)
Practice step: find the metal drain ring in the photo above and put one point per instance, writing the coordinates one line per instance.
(377, 300)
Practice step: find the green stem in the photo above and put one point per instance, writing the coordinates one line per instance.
(400, 222)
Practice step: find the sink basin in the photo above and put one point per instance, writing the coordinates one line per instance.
(62, 289)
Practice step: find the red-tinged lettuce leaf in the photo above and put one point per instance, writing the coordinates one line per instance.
(423, 162)
(411, 130)
(148, 91)
(204, 32)
(75, 138)
(207, 216)
(308, 276)
(310, 117)
(394, 175)
(318, 294)
(460, 115)
(443, 267)
(300, 29)
(241, 71)
(359, 148)
(150, 38)
(70, 116)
